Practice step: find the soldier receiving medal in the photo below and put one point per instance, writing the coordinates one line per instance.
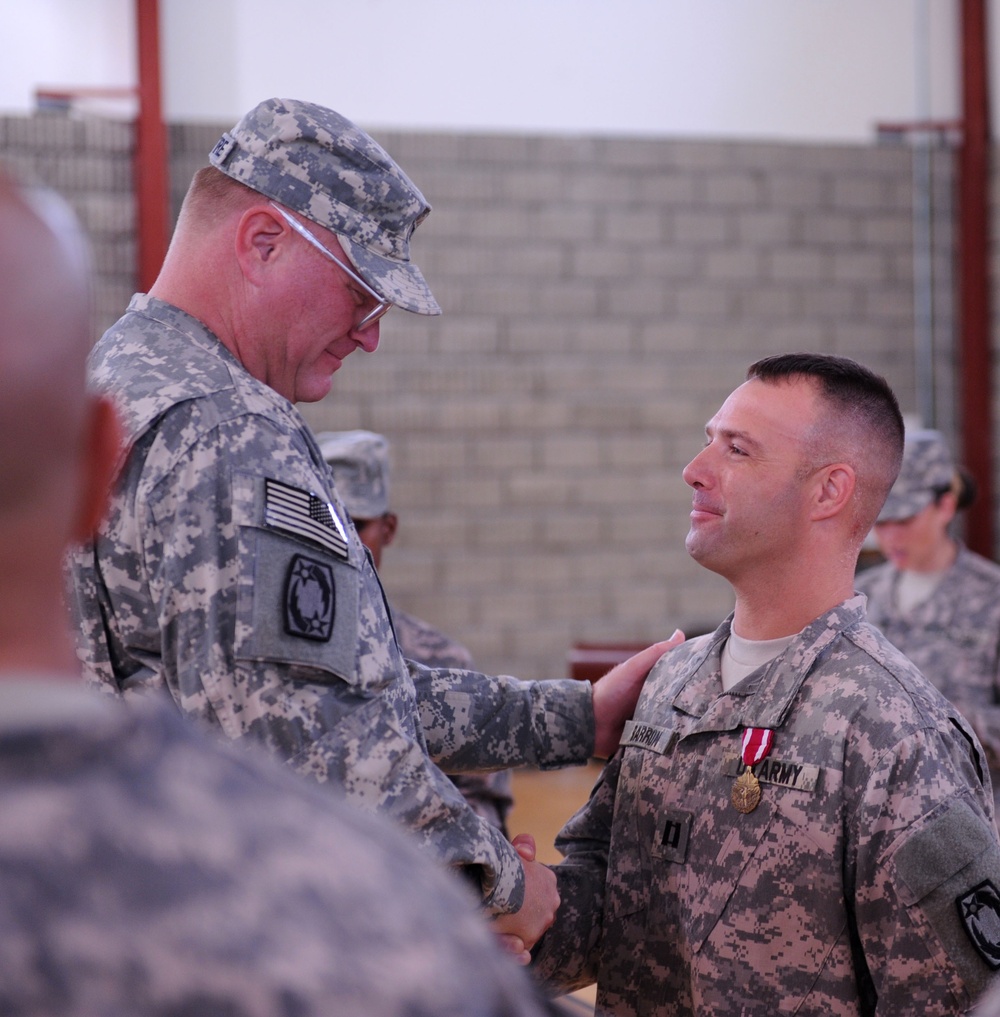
(797, 822)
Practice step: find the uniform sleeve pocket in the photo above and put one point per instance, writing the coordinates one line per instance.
(949, 839)
(949, 880)
(297, 605)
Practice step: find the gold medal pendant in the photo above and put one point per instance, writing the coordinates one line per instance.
(746, 792)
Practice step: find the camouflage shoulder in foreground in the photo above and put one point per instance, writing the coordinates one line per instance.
(145, 872)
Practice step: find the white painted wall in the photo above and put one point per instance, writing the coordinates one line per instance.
(773, 69)
(63, 42)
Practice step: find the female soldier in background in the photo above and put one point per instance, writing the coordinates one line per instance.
(936, 600)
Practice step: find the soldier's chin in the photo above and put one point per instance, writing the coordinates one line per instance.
(696, 546)
(704, 553)
(317, 387)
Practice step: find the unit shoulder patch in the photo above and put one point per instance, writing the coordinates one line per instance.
(979, 910)
(309, 599)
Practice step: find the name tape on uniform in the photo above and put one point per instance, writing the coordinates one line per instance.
(647, 736)
(801, 776)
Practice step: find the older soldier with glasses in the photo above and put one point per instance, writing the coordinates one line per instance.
(145, 868)
(228, 575)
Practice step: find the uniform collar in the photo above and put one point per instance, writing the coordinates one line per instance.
(764, 697)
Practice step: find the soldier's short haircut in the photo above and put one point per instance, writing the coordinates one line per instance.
(212, 196)
(865, 402)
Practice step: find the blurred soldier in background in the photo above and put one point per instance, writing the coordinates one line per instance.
(933, 598)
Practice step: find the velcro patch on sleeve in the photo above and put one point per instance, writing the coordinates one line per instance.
(949, 869)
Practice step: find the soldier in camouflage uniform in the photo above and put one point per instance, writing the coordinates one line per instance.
(228, 574)
(933, 598)
(147, 871)
(797, 822)
(360, 464)
(144, 870)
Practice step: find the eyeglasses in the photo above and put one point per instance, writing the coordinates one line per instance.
(381, 307)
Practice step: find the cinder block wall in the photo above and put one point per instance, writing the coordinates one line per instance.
(88, 161)
(602, 296)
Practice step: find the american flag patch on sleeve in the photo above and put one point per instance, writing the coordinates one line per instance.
(302, 514)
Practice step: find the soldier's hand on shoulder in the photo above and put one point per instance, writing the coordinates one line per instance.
(616, 694)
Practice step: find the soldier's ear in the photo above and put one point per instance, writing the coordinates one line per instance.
(259, 234)
(389, 523)
(947, 505)
(833, 490)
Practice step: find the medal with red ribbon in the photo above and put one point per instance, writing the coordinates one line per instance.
(757, 743)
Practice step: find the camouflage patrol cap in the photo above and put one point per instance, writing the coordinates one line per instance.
(316, 162)
(927, 470)
(360, 464)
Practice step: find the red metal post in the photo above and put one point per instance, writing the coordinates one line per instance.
(974, 324)
(151, 167)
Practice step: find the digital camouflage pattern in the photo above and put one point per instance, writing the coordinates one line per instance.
(953, 637)
(318, 163)
(866, 881)
(360, 464)
(927, 470)
(227, 574)
(421, 641)
(489, 794)
(147, 872)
